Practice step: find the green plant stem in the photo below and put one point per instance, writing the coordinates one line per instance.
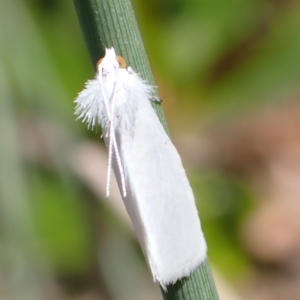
(111, 23)
(200, 285)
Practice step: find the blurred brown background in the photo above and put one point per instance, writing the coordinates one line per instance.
(229, 75)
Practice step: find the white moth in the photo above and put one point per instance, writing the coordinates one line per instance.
(153, 183)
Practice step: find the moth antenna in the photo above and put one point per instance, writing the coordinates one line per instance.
(121, 170)
(111, 138)
(113, 146)
(102, 92)
(111, 135)
(109, 167)
(109, 163)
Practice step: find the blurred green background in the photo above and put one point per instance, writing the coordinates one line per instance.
(228, 73)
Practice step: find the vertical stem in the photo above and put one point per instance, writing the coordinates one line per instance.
(199, 286)
(112, 23)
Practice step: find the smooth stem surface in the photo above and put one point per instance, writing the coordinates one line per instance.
(111, 23)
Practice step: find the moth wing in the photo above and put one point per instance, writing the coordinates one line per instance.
(159, 198)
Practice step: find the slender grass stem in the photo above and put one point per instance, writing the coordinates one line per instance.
(112, 24)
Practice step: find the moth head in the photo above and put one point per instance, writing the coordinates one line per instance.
(110, 59)
(122, 62)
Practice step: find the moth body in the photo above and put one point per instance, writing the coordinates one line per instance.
(152, 181)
